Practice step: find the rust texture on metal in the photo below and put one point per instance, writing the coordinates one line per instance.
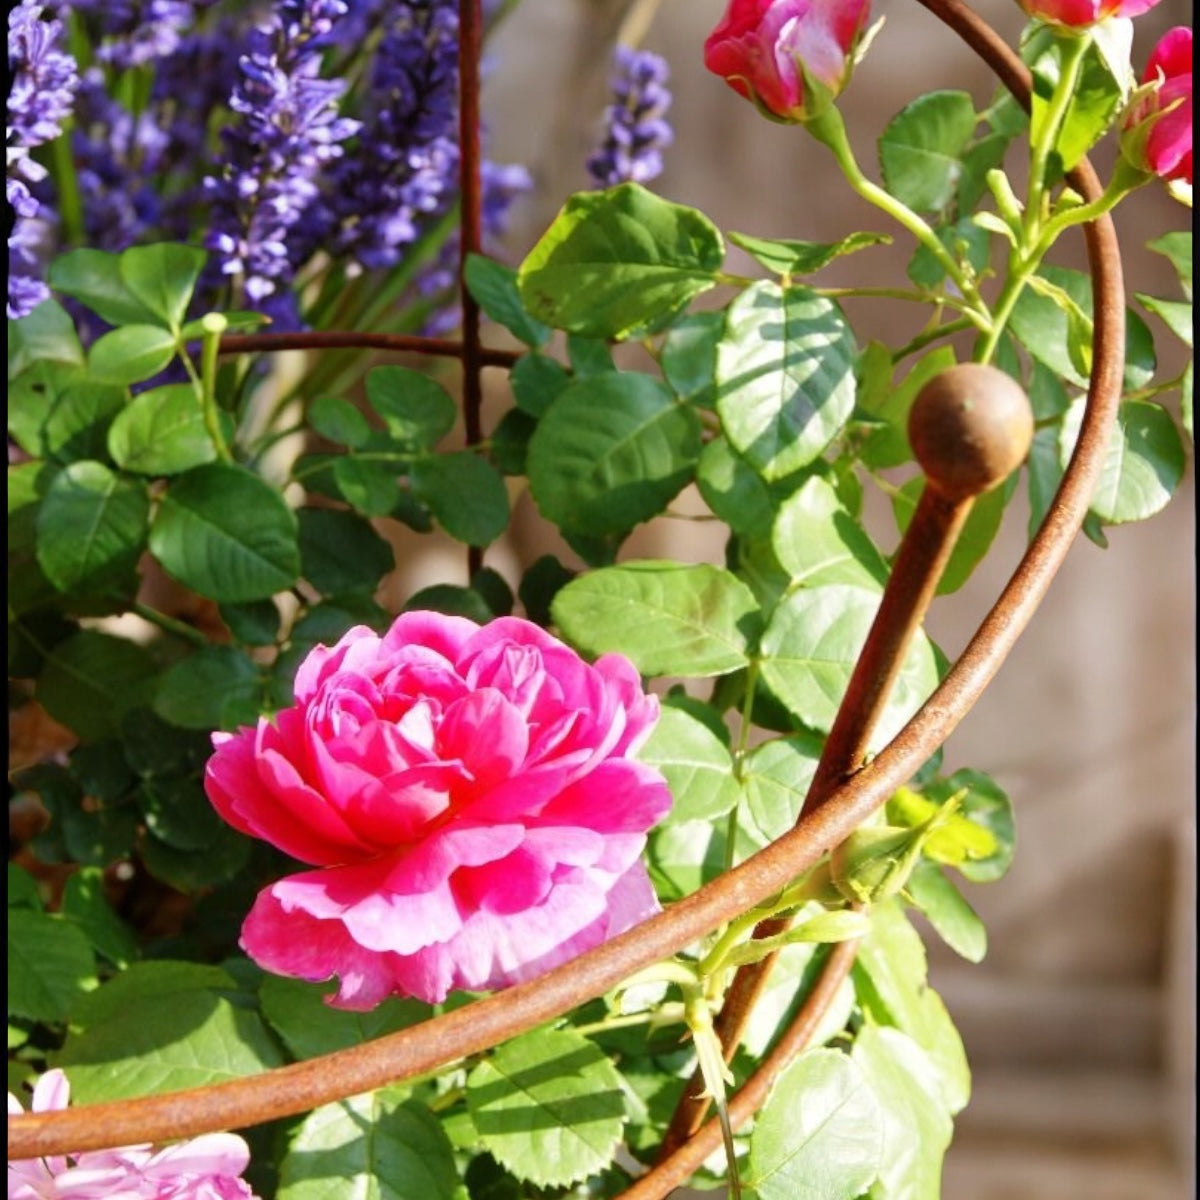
(339, 339)
(470, 52)
(302, 1086)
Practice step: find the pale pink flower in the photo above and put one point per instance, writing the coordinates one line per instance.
(468, 798)
(204, 1168)
(764, 49)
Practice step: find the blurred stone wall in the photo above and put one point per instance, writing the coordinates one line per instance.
(1080, 1022)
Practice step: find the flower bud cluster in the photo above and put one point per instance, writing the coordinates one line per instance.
(635, 131)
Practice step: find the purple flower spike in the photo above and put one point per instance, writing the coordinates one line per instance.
(635, 132)
(286, 134)
(40, 98)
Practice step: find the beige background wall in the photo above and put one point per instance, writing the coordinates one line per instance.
(1080, 1023)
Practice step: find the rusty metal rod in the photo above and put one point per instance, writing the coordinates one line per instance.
(970, 427)
(470, 51)
(338, 339)
(299, 1087)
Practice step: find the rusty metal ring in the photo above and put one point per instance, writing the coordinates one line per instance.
(300, 1087)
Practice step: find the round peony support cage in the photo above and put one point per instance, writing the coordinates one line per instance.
(844, 792)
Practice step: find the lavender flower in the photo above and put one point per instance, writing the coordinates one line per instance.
(286, 133)
(138, 31)
(635, 132)
(44, 80)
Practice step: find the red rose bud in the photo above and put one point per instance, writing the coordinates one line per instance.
(790, 57)
(1158, 131)
(1078, 14)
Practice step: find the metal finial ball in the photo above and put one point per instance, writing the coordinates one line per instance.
(970, 427)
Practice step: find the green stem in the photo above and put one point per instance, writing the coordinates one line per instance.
(213, 324)
(1126, 178)
(830, 130)
(739, 753)
(169, 624)
(934, 334)
(70, 207)
(1042, 146)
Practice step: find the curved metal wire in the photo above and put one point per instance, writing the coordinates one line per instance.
(299, 1087)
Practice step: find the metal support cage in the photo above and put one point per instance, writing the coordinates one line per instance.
(844, 795)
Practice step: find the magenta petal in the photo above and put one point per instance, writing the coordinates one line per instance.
(434, 631)
(487, 735)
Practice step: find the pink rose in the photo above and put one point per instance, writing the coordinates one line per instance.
(1158, 133)
(204, 1168)
(765, 50)
(469, 801)
(1081, 13)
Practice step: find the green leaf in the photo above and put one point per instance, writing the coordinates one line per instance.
(549, 1106)
(298, 1013)
(1045, 474)
(381, 1146)
(683, 856)
(452, 599)
(370, 488)
(536, 382)
(217, 687)
(787, 257)
(974, 539)
(777, 775)
(1143, 464)
(179, 814)
(93, 277)
(85, 904)
(466, 495)
(417, 411)
(890, 403)
(227, 534)
(618, 259)
(986, 804)
(50, 965)
(668, 618)
(252, 624)
(341, 552)
(131, 354)
(162, 432)
(55, 411)
(22, 889)
(510, 442)
(955, 921)
(689, 357)
(696, 765)
(160, 1027)
(45, 333)
(1043, 327)
(91, 679)
(797, 969)
(916, 1126)
(189, 871)
(1093, 102)
(163, 277)
(1176, 315)
(1177, 247)
(610, 452)
(734, 490)
(811, 645)
(785, 376)
(339, 421)
(890, 979)
(820, 1134)
(817, 541)
(921, 149)
(28, 587)
(543, 580)
(589, 356)
(494, 287)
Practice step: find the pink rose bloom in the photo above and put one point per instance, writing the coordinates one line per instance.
(1080, 13)
(468, 798)
(1158, 133)
(764, 48)
(205, 1168)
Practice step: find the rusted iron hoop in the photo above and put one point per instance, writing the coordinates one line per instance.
(299, 1087)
